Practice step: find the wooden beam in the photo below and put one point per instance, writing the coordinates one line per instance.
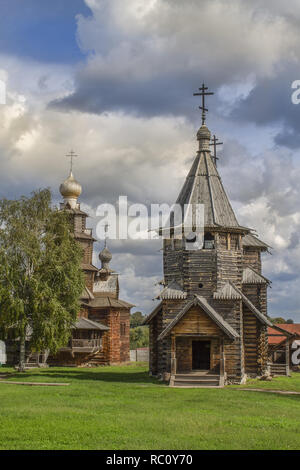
(173, 354)
(222, 362)
(287, 356)
(228, 241)
(240, 241)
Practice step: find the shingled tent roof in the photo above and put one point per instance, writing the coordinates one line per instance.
(203, 185)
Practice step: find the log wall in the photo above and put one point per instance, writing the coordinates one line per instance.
(251, 333)
(184, 353)
(252, 258)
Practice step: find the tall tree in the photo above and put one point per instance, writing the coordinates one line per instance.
(40, 275)
(136, 319)
(139, 337)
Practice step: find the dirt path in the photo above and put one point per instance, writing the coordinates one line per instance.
(281, 392)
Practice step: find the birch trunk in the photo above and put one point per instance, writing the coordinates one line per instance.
(21, 367)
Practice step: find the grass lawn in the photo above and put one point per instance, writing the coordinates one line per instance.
(122, 408)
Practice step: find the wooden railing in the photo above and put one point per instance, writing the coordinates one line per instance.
(86, 343)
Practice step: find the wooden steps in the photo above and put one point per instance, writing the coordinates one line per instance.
(278, 369)
(98, 359)
(195, 380)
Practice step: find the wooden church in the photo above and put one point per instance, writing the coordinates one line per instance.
(210, 326)
(101, 333)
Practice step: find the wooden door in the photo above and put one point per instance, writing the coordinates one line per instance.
(201, 355)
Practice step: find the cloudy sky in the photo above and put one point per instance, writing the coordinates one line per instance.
(114, 80)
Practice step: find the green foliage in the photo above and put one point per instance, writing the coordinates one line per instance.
(136, 319)
(281, 320)
(139, 337)
(40, 275)
(278, 320)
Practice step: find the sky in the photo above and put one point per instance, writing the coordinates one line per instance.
(114, 80)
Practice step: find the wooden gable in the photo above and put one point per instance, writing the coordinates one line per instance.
(196, 321)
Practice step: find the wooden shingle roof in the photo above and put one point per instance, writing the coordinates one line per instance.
(87, 324)
(252, 241)
(227, 292)
(172, 291)
(89, 267)
(99, 302)
(203, 185)
(250, 276)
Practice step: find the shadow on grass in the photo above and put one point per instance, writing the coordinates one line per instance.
(99, 375)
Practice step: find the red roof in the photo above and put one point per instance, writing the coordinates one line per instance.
(290, 327)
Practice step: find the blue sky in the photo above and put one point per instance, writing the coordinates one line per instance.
(115, 80)
(41, 30)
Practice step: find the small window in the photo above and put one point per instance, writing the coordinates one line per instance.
(123, 329)
(209, 241)
(200, 285)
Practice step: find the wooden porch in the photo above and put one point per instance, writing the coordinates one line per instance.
(279, 351)
(197, 360)
(83, 345)
(196, 379)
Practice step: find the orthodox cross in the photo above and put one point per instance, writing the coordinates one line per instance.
(71, 155)
(215, 143)
(105, 234)
(203, 93)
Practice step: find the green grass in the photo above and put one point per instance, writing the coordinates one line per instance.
(123, 408)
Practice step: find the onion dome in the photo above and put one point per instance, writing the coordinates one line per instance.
(70, 188)
(105, 257)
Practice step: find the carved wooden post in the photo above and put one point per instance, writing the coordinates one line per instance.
(287, 356)
(228, 241)
(222, 362)
(240, 242)
(173, 354)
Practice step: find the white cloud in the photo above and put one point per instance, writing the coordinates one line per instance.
(145, 41)
(147, 158)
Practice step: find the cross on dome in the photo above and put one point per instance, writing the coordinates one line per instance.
(203, 93)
